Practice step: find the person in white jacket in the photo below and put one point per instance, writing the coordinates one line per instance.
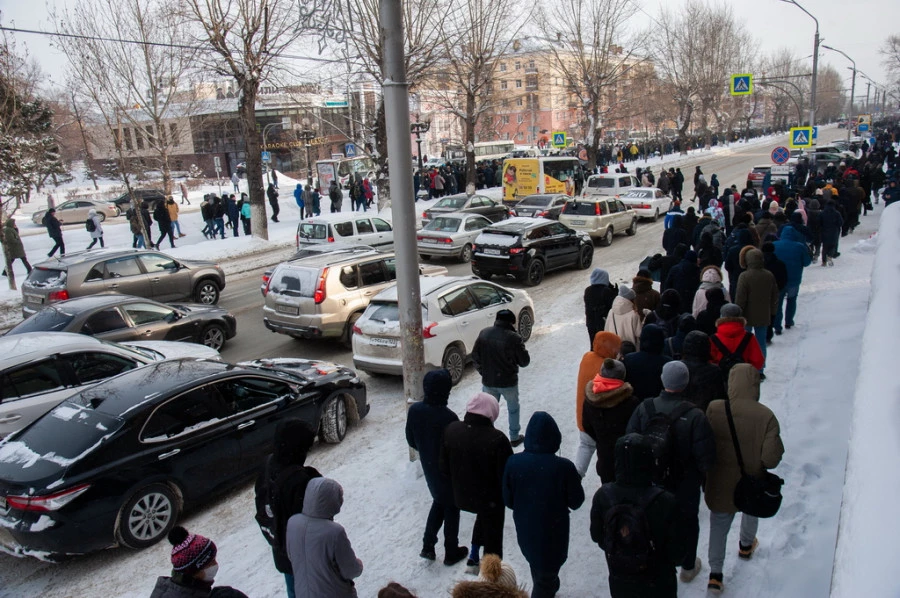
(710, 277)
(623, 318)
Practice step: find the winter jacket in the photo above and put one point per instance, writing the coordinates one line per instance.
(710, 277)
(161, 215)
(774, 265)
(324, 563)
(173, 210)
(425, 425)
(245, 210)
(98, 224)
(598, 299)
(757, 291)
(731, 331)
(206, 210)
(12, 242)
(624, 321)
(698, 230)
(218, 208)
(166, 587)
(298, 197)
(706, 319)
(645, 296)
(672, 345)
(54, 228)
(667, 312)
(606, 345)
(831, 222)
(474, 454)
(272, 194)
(791, 249)
(758, 436)
(541, 488)
(644, 367)
(498, 353)
(684, 277)
(766, 226)
(707, 383)
(485, 589)
(634, 467)
(674, 235)
(608, 406)
(232, 210)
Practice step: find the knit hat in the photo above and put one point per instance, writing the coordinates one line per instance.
(497, 571)
(773, 207)
(484, 404)
(612, 368)
(190, 552)
(730, 310)
(504, 315)
(675, 376)
(626, 292)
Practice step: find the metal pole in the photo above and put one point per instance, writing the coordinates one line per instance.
(852, 92)
(868, 90)
(812, 105)
(396, 102)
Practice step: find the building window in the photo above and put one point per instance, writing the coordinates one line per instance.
(150, 139)
(520, 118)
(126, 133)
(502, 67)
(506, 136)
(173, 133)
(518, 101)
(504, 119)
(518, 83)
(531, 64)
(518, 65)
(520, 135)
(138, 138)
(503, 85)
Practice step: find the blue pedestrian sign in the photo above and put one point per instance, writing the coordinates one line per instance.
(780, 155)
(815, 133)
(350, 150)
(266, 157)
(801, 137)
(742, 85)
(559, 139)
(863, 127)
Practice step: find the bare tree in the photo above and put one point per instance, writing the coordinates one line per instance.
(595, 54)
(890, 51)
(784, 87)
(830, 96)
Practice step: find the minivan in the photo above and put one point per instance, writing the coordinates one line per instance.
(611, 183)
(357, 228)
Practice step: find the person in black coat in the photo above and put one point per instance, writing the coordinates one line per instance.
(233, 211)
(778, 270)
(598, 298)
(690, 223)
(814, 221)
(706, 319)
(670, 260)
(684, 277)
(672, 347)
(644, 367)
(831, 222)
(708, 254)
(54, 230)
(474, 455)
(705, 219)
(674, 235)
(634, 483)
(608, 404)
(425, 425)
(666, 313)
(272, 194)
(741, 237)
(164, 222)
(219, 216)
(541, 488)
(707, 383)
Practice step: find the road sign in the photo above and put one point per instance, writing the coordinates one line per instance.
(815, 132)
(559, 139)
(742, 85)
(863, 127)
(350, 150)
(780, 155)
(266, 157)
(217, 163)
(801, 137)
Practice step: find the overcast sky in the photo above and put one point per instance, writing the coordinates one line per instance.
(858, 28)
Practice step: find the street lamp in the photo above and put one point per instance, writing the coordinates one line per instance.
(307, 134)
(419, 128)
(852, 85)
(286, 122)
(812, 104)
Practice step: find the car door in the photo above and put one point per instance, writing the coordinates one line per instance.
(566, 244)
(374, 276)
(492, 210)
(168, 280)
(30, 390)
(613, 217)
(109, 324)
(153, 322)
(473, 226)
(384, 234)
(124, 275)
(556, 206)
(490, 300)
(68, 212)
(538, 243)
(624, 215)
(462, 312)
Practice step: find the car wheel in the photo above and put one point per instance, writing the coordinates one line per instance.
(334, 420)
(207, 292)
(656, 215)
(454, 362)
(631, 230)
(585, 257)
(525, 323)
(535, 273)
(213, 336)
(147, 517)
(607, 239)
(101, 216)
(347, 337)
(465, 255)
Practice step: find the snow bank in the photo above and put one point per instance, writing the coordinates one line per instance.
(869, 528)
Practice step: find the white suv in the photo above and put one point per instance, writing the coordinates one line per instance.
(601, 217)
(455, 309)
(610, 183)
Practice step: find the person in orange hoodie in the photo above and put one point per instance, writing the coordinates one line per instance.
(608, 405)
(606, 345)
(731, 329)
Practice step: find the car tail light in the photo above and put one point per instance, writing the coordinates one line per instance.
(447, 240)
(426, 330)
(49, 502)
(58, 296)
(425, 215)
(268, 281)
(513, 213)
(356, 329)
(597, 208)
(516, 250)
(419, 237)
(541, 214)
(297, 241)
(331, 239)
(643, 206)
(319, 295)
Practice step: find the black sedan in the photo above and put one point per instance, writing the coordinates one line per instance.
(120, 318)
(117, 463)
(541, 206)
(475, 204)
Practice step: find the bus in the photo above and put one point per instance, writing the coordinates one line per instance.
(484, 150)
(544, 174)
(328, 170)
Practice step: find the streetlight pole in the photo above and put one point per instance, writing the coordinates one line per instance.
(307, 136)
(266, 146)
(418, 129)
(852, 85)
(815, 71)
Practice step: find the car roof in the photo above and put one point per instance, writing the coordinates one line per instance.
(427, 285)
(517, 224)
(16, 348)
(609, 175)
(80, 257)
(461, 215)
(339, 216)
(544, 196)
(87, 302)
(332, 258)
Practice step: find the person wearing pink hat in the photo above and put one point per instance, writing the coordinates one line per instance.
(194, 569)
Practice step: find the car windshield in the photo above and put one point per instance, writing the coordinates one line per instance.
(535, 200)
(48, 319)
(383, 311)
(600, 183)
(451, 202)
(580, 208)
(309, 230)
(46, 277)
(444, 225)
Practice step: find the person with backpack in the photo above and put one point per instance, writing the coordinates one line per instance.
(336, 196)
(425, 425)
(598, 300)
(541, 488)
(732, 343)
(757, 297)
(606, 345)
(672, 347)
(684, 448)
(93, 225)
(645, 365)
(743, 421)
(707, 383)
(609, 402)
(637, 525)
(280, 489)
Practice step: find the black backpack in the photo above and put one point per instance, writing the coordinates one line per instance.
(270, 521)
(89, 225)
(729, 359)
(626, 539)
(660, 432)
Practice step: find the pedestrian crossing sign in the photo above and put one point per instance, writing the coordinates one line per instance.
(559, 139)
(801, 137)
(742, 85)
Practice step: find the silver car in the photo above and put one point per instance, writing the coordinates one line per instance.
(450, 235)
(76, 211)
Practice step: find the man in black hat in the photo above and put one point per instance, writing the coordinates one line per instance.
(498, 354)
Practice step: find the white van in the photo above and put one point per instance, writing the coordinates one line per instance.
(358, 228)
(611, 183)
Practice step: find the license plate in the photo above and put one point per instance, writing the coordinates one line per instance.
(383, 342)
(29, 298)
(426, 240)
(579, 222)
(527, 213)
(492, 252)
(287, 309)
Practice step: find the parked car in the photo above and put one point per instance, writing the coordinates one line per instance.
(450, 235)
(476, 204)
(76, 211)
(39, 370)
(541, 206)
(348, 228)
(142, 273)
(612, 183)
(123, 202)
(647, 202)
(118, 462)
(455, 310)
(322, 296)
(120, 318)
(528, 247)
(601, 217)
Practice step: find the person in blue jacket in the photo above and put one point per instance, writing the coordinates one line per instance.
(791, 249)
(541, 488)
(298, 197)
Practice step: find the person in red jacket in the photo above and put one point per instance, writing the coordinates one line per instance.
(731, 328)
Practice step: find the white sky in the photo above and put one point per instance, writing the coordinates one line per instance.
(774, 23)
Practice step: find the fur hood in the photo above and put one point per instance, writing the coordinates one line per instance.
(485, 589)
(608, 399)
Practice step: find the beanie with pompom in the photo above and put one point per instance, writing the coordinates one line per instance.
(497, 571)
(190, 552)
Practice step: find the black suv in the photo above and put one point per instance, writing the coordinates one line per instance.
(528, 247)
(122, 202)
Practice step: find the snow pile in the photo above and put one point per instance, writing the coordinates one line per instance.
(869, 245)
(867, 537)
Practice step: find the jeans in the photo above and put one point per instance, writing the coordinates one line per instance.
(58, 245)
(138, 242)
(760, 333)
(586, 449)
(176, 227)
(94, 242)
(511, 394)
(719, 526)
(545, 582)
(446, 515)
(289, 582)
(219, 229)
(790, 293)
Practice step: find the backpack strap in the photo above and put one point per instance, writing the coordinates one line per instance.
(720, 346)
(743, 345)
(734, 438)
